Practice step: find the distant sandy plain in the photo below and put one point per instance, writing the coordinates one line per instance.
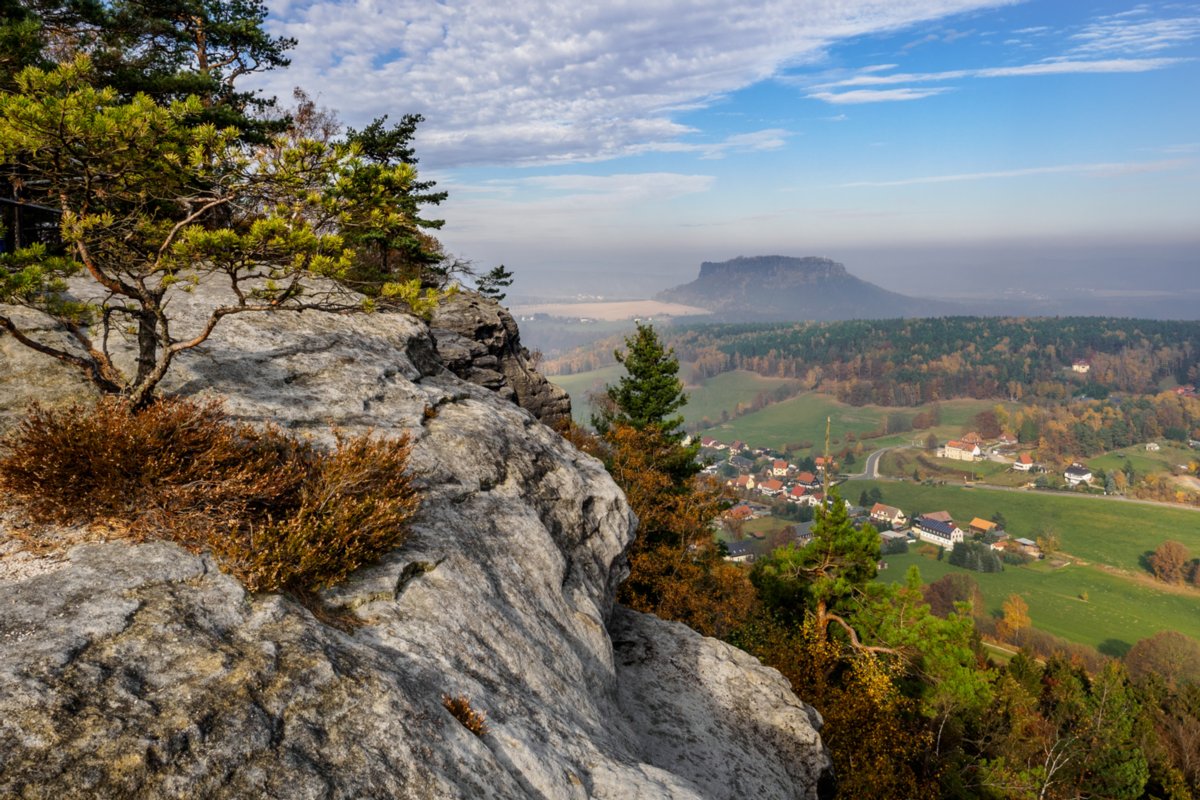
(610, 311)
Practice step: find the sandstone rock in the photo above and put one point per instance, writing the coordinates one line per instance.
(479, 341)
(141, 671)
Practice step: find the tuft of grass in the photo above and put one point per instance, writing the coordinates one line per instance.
(278, 513)
(460, 708)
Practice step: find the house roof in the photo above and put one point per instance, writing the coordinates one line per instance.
(1025, 458)
(1078, 470)
(806, 477)
(741, 512)
(1026, 542)
(742, 480)
(936, 526)
(981, 524)
(772, 485)
(797, 491)
(886, 511)
(779, 464)
(940, 516)
(737, 549)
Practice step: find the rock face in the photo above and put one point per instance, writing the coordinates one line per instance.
(479, 342)
(786, 289)
(141, 671)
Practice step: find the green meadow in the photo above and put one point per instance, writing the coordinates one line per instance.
(1117, 613)
(1123, 604)
(1090, 528)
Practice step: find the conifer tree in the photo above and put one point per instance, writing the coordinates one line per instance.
(651, 391)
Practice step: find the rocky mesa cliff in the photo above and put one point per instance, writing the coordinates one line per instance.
(141, 671)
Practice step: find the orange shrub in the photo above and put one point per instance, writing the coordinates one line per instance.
(278, 513)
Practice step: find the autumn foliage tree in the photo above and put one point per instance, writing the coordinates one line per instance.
(1168, 562)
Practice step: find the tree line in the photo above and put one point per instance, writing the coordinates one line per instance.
(910, 362)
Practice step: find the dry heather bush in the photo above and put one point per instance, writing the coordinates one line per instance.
(279, 514)
(460, 708)
(353, 508)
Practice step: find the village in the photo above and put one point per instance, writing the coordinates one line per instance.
(767, 485)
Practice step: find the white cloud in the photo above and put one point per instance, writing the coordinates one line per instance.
(875, 95)
(1131, 33)
(1047, 67)
(1104, 170)
(538, 81)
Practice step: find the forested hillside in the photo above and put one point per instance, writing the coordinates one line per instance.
(908, 362)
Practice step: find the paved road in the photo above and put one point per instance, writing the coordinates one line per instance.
(870, 468)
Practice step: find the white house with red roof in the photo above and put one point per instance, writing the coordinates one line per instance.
(771, 487)
(960, 451)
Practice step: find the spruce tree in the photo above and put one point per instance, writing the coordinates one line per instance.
(651, 391)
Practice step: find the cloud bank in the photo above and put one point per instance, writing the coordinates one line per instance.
(546, 81)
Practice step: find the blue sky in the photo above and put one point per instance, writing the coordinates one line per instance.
(925, 144)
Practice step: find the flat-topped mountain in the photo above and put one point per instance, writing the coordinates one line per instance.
(783, 288)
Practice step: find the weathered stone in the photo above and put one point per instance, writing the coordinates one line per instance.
(141, 671)
(477, 338)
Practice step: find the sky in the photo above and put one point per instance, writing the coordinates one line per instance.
(933, 146)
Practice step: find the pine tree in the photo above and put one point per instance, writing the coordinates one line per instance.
(651, 391)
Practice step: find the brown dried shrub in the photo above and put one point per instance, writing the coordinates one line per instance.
(353, 507)
(278, 513)
(460, 708)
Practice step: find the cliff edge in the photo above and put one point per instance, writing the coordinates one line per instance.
(141, 671)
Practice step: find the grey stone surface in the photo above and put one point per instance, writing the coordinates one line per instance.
(141, 671)
(480, 342)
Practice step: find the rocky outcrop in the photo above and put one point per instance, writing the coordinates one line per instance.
(479, 342)
(141, 671)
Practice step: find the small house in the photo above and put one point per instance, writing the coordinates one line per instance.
(982, 526)
(889, 516)
(1024, 463)
(739, 552)
(1028, 547)
(1076, 474)
(960, 450)
(934, 531)
(771, 487)
(808, 480)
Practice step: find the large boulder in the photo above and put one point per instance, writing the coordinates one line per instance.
(142, 671)
(479, 341)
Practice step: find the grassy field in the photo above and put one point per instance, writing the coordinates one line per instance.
(1117, 613)
(723, 393)
(902, 461)
(1143, 462)
(1093, 529)
(803, 419)
(708, 399)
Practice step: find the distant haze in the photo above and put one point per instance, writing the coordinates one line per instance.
(1153, 279)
